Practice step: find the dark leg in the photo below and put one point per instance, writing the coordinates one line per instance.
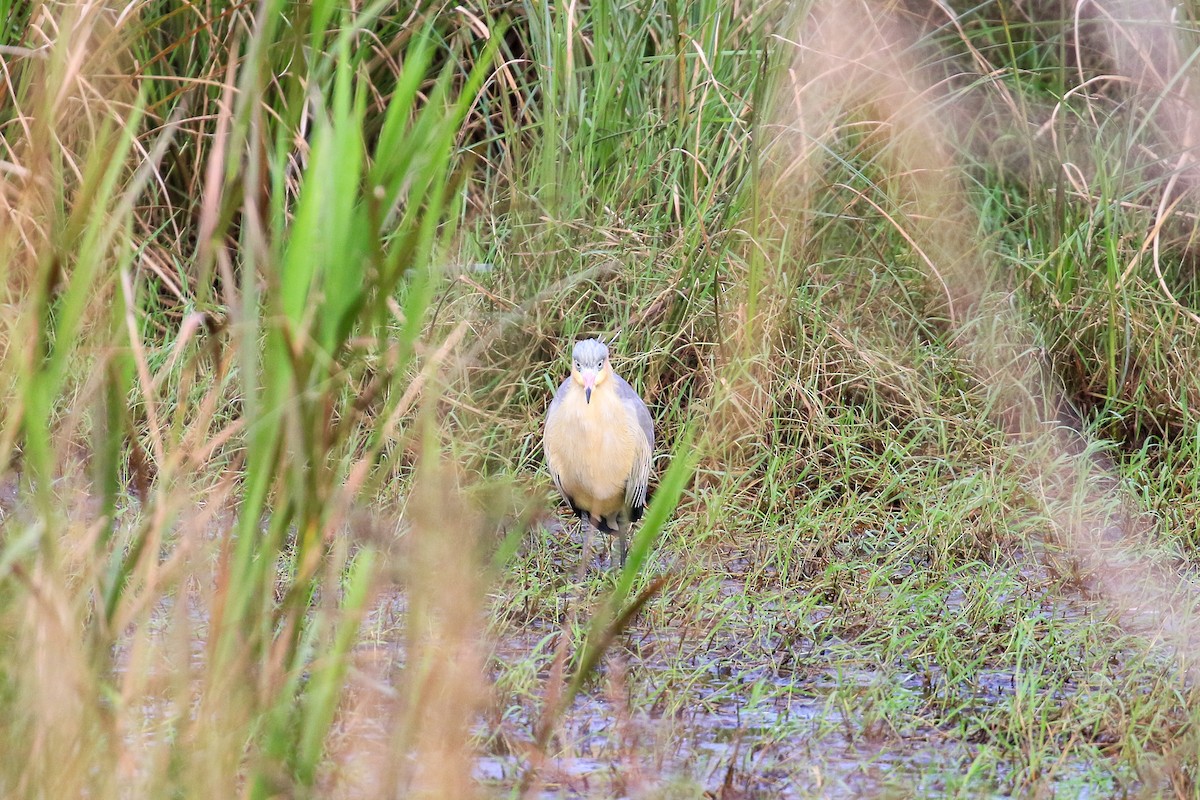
(586, 529)
(623, 541)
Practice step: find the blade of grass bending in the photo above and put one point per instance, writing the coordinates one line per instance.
(602, 632)
(614, 616)
(666, 498)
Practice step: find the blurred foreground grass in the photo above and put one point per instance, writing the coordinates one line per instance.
(286, 289)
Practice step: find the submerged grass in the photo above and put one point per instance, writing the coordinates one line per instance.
(286, 292)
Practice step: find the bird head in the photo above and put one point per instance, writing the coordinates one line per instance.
(589, 365)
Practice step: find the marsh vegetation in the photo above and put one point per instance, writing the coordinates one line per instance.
(910, 290)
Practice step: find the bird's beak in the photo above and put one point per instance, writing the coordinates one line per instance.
(589, 383)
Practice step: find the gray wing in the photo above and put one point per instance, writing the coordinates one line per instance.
(563, 389)
(639, 479)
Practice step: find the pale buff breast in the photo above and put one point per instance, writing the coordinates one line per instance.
(592, 447)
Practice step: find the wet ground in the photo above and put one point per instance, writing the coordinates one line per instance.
(736, 696)
(676, 714)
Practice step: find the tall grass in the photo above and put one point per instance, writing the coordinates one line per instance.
(286, 288)
(297, 282)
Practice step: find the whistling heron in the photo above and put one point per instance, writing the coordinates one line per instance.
(599, 441)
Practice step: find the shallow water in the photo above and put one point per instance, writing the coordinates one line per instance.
(741, 711)
(710, 719)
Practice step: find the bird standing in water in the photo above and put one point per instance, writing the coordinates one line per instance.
(599, 443)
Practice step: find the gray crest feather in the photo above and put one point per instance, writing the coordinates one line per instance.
(589, 353)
